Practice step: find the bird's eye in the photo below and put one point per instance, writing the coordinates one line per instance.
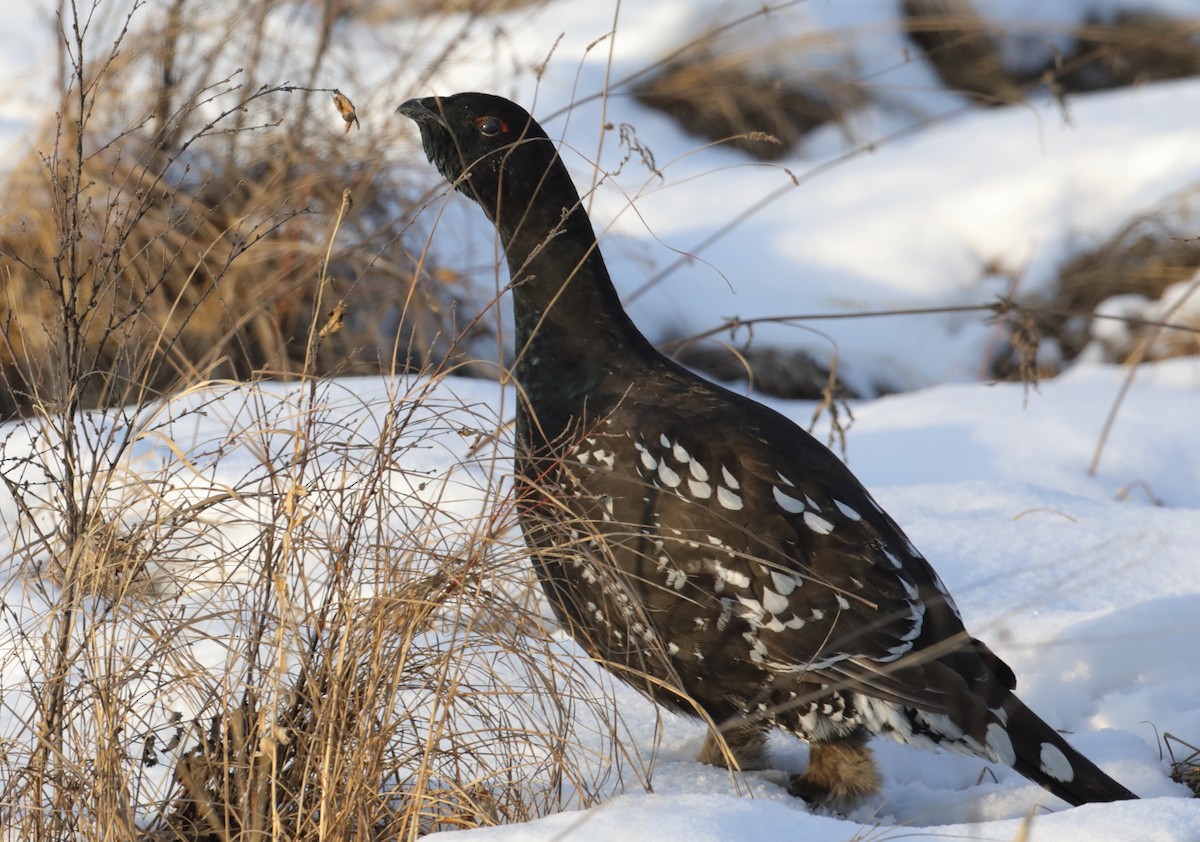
(490, 126)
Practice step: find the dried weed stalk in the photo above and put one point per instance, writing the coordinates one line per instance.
(239, 612)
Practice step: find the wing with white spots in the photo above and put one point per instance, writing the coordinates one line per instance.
(780, 559)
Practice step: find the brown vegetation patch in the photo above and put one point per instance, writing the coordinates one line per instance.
(391, 729)
(783, 372)
(324, 755)
(722, 92)
(107, 564)
(175, 226)
(1131, 47)
(1147, 257)
(454, 7)
(962, 49)
(1132, 297)
(1186, 769)
(216, 278)
(720, 99)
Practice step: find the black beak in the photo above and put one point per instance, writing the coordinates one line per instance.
(419, 111)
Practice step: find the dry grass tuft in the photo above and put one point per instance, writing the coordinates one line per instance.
(720, 97)
(1134, 296)
(254, 611)
(1111, 297)
(108, 565)
(185, 233)
(455, 7)
(289, 630)
(331, 754)
(1186, 769)
(783, 372)
(1145, 258)
(1130, 47)
(962, 49)
(215, 277)
(1133, 47)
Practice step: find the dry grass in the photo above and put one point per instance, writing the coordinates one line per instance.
(1185, 769)
(214, 279)
(191, 245)
(1146, 258)
(786, 373)
(1131, 297)
(281, 631)
(266, 625)
(719, 88)
(1130, 47)
(1143, 257)
(962, 49)
(720, 99)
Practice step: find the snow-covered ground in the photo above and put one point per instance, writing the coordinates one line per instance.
(1088, 585)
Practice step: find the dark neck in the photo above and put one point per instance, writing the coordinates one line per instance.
(564, 302)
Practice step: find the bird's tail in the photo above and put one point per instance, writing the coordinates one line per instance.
(1040, 753)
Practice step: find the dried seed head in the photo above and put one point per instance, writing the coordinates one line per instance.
(346, 108)
(335, 321)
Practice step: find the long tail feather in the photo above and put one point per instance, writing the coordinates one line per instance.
(1041, 754)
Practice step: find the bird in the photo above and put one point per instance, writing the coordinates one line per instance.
(702, 546)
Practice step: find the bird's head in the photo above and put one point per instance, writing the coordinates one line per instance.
(474, 139)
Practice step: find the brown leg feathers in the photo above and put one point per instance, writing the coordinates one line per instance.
(840, 773)
(736, 747)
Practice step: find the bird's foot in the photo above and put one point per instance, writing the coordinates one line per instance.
(735, 747)
(840, 774)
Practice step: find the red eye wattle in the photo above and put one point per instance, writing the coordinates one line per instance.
(490, 126)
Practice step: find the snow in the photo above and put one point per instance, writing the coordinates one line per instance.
(722, 818)
(1087, 584)
(1092, 594)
